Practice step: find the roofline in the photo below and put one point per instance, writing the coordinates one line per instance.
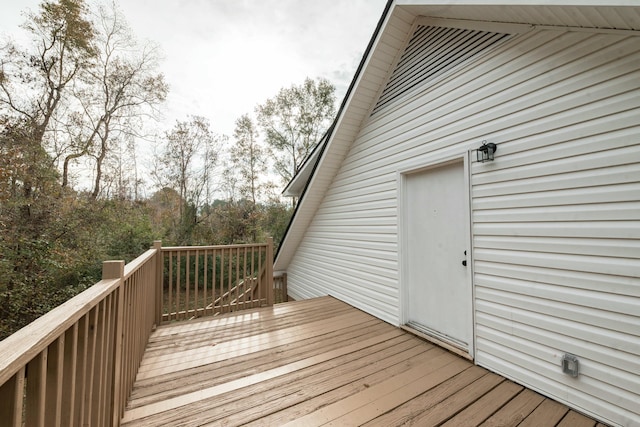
(609, 3)
(304, 165)
(329, 132)
(385, 15)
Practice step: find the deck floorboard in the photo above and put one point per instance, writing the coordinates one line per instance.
(320, 362)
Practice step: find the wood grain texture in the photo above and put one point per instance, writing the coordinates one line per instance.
(548, 413)
(318, 362)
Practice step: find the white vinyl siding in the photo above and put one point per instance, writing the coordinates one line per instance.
(431, 52)
(555, 218)
(557, 257)
(375, 71)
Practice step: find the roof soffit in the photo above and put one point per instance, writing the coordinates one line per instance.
(615, 15)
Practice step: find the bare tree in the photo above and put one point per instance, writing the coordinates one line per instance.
(123, 86)
(185, 165)
(120, 178)
(248, 159)
(34, 82)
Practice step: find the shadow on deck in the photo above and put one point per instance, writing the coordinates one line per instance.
(317, 362)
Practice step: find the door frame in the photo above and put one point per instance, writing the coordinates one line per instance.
(401, 182)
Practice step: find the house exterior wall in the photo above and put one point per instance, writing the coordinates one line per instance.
(555, 219)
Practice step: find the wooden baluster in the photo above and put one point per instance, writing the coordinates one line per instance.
(178, 283)
(81, 375)
(55, 371)
(131, 332)
(135, 326)
(230, 289)
(152, 288)
(259, 277)
(70, 370)
(91, 363)
(285, 292)
(230, 277)
(109, 396)
(36, 390)
(141, 307)
(109, 352)
(252, 273)
(145, 291)
(128, 337)
(214, 284)
(98, 361)
(196, 305)
(269, 271)
(215, 280)
(245, 279)
(236, 281)
(205, 282)
(221, 280)
(187, 284)
(12, 400)
(170, 299)
(159, 279)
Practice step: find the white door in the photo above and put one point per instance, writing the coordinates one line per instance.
(437, 288)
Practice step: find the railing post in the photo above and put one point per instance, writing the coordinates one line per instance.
(112, 270)
(115, 270)
(157, 245)
(269, 271)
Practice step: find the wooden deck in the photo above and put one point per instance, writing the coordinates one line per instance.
(318, 362)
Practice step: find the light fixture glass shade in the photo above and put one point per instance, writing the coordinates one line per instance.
(485, 152)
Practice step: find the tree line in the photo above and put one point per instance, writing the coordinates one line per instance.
(75, 106)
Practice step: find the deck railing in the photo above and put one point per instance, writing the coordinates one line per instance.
(280, 287)
(76, 364)
(209, 280)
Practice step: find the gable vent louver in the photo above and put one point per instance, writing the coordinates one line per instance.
(431, 52)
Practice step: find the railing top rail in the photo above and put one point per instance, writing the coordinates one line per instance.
(134, 265)
(201, 248)
(19, 348)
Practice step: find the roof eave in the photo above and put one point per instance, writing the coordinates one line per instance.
(525, 12)
(329, 134)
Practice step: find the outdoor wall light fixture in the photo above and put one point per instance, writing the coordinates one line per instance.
(486, 151)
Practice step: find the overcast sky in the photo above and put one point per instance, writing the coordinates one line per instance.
(223, 57)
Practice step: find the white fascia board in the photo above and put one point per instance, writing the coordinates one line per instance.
(297, 184)
(306, 208)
